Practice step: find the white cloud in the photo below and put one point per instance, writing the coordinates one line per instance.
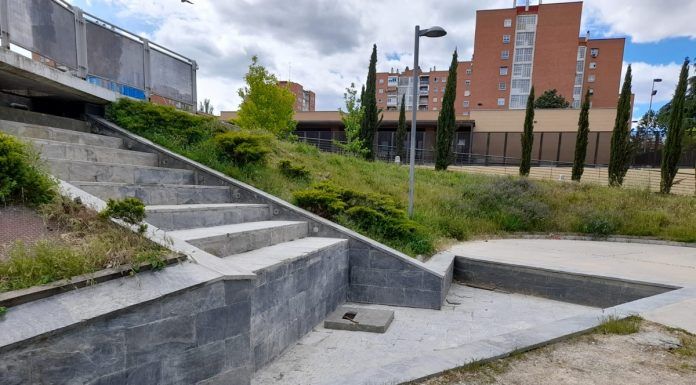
(645, 20)
(643, 75)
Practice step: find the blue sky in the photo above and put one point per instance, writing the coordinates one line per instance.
(325, 45)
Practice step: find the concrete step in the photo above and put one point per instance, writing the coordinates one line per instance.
(164, 194)
(61, 150)
(76, 170)
(270, 256)
(32, 117)
(58, 134)
(238, 238)
(178, 217)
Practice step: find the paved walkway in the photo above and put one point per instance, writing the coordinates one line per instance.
(669, 265)
(473, 324)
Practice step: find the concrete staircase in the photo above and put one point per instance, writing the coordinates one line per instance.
(206, 216)
(299, 267)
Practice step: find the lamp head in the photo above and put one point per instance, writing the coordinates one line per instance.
(433, 32)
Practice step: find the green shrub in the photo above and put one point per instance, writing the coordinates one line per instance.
(514, 204)
(244, 147)
(3, 311)
(21, 178)
(130, 210)
(599, 225)
(376, 215)
(620, 326)
(179, 127)
(292, 171)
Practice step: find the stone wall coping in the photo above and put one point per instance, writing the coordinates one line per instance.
(275, 200)
(71, 309)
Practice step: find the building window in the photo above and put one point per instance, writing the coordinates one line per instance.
(505, 54)
(435, 80)
(506, 39)
(468, 71)
(502, 86)
(590, 78)
(591, 90)
(443, 80)
(518, 101)
(524, 39)
(520, 86)
(467, 84)
(467, 93)
(501, 101)
(594, 52)
(526, 22)
(443, 90)
(523, 54)
(465, 103)
(392, 81)
(503, 71)
(434, 108)
(381, 90)
(381, 81)
(507, 23)
(522, 70)
(593, 65)
(434, 100)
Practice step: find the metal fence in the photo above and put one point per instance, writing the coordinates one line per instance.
(98, 51)
(637, 177)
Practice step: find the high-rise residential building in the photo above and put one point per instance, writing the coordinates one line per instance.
(516, 48)
(304, 99)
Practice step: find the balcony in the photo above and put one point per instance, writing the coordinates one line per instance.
(423, 90)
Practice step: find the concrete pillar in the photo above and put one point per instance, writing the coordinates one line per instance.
(81, 42)
(4, 25)
(147, 79)
(194, 88)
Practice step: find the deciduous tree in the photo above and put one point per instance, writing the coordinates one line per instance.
(265, 104)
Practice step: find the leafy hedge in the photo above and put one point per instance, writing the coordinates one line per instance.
(181, 128)
(376, 215)
(21, 178)
(244, 147)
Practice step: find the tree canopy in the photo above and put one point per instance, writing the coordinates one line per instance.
(265, 104)
(551, 99)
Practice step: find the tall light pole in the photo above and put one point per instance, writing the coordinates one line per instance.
(651, 115)
(430, 32)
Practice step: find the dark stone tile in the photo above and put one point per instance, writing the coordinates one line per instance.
(238, 351)
(194, 365)
(380, 260)
(404, 279)
(236, 376)
(194, 300)
(157, 340)
(366, 276)
(237, 291)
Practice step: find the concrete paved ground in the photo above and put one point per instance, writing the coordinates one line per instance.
(473, 324)
(669, 265)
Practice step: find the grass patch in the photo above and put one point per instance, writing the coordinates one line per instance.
(450, 206)
(88, 243)
(620, 326)
(688, 345)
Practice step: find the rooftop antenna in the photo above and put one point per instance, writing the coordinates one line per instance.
(526, 5)
(289, 71)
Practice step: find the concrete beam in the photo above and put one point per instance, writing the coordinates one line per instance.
(38, 80)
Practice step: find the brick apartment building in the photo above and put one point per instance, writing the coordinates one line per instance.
(304, 99)
(514, 49)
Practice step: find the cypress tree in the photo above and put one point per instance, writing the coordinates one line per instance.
(581, 139)
(675, 133)
(446, 119)
(370, 122)
(620, 152)
(528, 136)
(401, 131)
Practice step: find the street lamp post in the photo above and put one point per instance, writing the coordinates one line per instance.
(430, 32)
(652, 116)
